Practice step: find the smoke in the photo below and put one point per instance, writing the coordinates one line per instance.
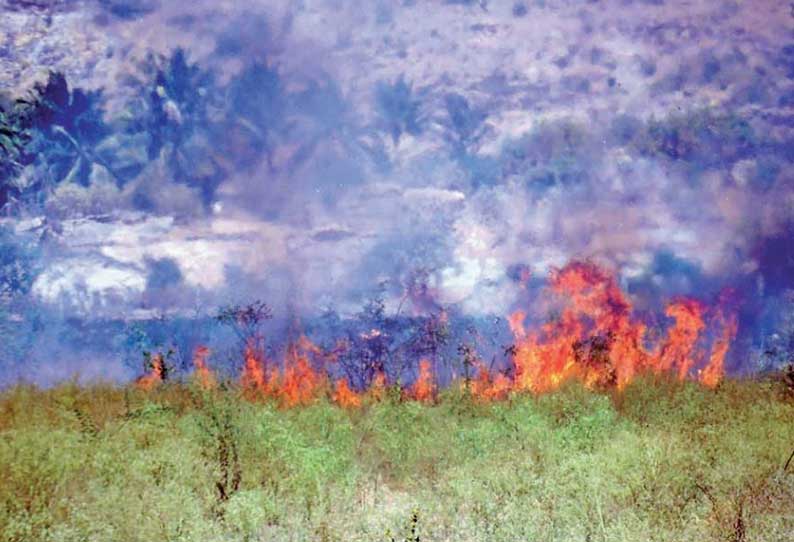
(449, 154)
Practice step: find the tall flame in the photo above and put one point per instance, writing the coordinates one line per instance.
(594, 338)
(424, 388)
(155, 375)
(714, 371)
(204, 376)
(678, 352)
(300, 384)
(297, 384)
(377, 389)
(253, 380)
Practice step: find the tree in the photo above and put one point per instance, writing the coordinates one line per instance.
(14, 137)
(66, 126)
(247, 322)
(399, 109)
(175, 113)
(369, 344)
(469, 360)
(432, 335)
(257, 104)
(18, 265)
(465, 125)
(19, 321)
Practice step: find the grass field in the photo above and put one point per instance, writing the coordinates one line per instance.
(661, 460)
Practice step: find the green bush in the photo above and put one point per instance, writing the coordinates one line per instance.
(660, 460)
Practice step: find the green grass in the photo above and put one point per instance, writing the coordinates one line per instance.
(662, 460)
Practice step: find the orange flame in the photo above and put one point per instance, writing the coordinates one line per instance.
(424, 389)
(204, 376)
(300, 384)
(677, 353)
(485, 388)
(253, 380)
(154, 376)
(596, 340)
(377, 389)
(344, 396)
(714, 371)
(297, 384)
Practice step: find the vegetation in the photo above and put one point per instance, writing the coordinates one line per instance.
(399, 109)
(19, 323)
(661, 460)
(176, 125)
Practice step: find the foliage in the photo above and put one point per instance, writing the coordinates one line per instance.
(481, 3)
(411, 529)
(519, 9)
(221, 446)
(67, 124)
(19, 322)
(246, 320)
(18, 264)
(554, 154)
(175, 101)
(701, 138)
(257, 104)
(369, 344)
(50, 137)
(14, 137)
(128, 9)
(465, 124)
(399, 108)
(662, 460)
(176, 112)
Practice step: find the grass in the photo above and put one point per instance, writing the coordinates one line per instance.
(659, 461)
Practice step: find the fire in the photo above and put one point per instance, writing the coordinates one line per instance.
(253, 379)
(678, 352)
(714, 371)
(344, 396)
(596, 339)
(204, 375)
(300, 384)
(487, 388)
(424, 388)
(155, 376)
(377, 389)
(297, 384)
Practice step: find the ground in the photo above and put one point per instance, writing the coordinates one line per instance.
(660, 460)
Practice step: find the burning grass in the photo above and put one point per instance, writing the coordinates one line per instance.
(594, 338)
(659, 459)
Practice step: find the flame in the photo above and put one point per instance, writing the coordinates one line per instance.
(678, 352)
(596, 339)
(377, 389)
(253, 380)
(204, 376)
(300, 383)
(344, 396)
(297, 384)
(155, 374)
(486, 388)
(714, 371)
(516, 322)
(424, 388)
